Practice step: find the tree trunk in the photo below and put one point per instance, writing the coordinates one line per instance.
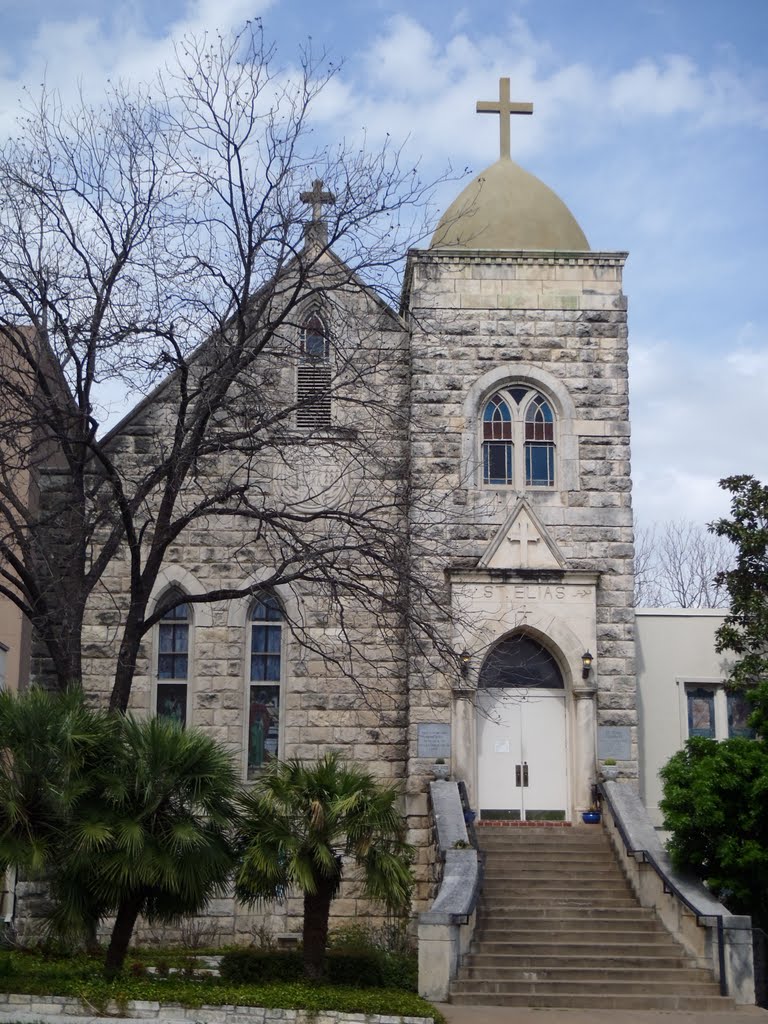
(121, 934)
(317, 908)
(126, 663)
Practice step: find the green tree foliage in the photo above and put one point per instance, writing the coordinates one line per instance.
(122, 816)
(300, 824)
(745, 629)
(716, 806)
(716, 794)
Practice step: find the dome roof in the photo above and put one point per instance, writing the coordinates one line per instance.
(505, 207)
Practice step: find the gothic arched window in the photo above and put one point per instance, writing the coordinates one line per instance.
(518, 439)
(520, 661)
(314, 338)
(539, 443)
(313, 375)
(173, 647)
(264, 679)
(497, 442)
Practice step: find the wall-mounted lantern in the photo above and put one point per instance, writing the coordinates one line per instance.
(586, 664)
(464, 660)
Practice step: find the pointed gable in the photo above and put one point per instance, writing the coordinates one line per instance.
(522, 543)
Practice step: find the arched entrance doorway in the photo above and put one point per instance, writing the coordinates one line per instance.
(521, 733)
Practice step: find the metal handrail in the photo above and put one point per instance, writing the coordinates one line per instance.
(670, 888)
(470, 827)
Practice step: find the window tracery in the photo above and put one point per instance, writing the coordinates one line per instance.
(518, 439)
(520, 660)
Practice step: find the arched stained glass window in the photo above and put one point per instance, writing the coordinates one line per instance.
(520, 661)
(173, 661)
(314, 338)
(497, 442)
(518, 438)
(266, 655)
(539, 443)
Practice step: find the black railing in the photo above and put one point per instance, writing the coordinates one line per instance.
(669, 887)
(469, 821)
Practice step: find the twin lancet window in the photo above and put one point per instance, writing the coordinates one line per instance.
(518, 420)
(265, 663)
(313, 376)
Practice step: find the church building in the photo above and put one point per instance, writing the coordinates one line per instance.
(493, 407)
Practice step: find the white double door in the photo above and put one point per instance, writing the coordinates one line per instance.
(522, 754)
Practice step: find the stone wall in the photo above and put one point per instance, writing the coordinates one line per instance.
(16, 1007)
(343, 679)
(557, 323)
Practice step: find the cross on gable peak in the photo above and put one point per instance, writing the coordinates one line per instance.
(504, 107)
(317, 198)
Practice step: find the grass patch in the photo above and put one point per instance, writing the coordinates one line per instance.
(80, 977)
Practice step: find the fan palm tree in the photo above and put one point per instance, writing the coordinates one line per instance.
(159, 841)
(121, 816)
(52, 749)
(298, 826)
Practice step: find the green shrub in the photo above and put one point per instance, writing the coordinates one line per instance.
(400, 970)
(357, 969)
(251, 966)
(81, 976)
(350, 967)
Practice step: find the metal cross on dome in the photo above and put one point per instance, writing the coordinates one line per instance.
(504, 108)
(318, 199)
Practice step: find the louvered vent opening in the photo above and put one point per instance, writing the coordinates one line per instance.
(313, 395)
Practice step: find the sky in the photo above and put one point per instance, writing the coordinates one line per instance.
(650, 121)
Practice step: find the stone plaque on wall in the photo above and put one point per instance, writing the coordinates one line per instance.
(434, 740)
(614, 741)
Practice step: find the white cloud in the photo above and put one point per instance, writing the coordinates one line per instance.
(85, 52)
(427, 87)
(696, 417)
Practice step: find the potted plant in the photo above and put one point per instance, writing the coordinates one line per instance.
(440, 769)
(592, 816)
(609, 769)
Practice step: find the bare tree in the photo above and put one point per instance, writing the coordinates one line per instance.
(677, 565)
(158, 244)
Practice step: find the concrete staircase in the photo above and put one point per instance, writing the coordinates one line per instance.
(558, 926)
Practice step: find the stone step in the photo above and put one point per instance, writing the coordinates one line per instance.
(553, 987)
(484, 827)
(558, 926)
(493, 932)
(552, 869)
(543, 837)
(507, 903)
(549, 857)
(664, 950)
(683, 976)
(565, 878)
(551, 916)
(592, 891)
(591, 1000)
(545, 965)
(487, 922)
(551, 853)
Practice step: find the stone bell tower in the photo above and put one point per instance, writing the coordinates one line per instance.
(521, 497)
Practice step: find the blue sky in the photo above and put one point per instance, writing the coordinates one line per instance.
(650, 121)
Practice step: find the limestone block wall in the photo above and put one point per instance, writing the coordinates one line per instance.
(558, 322)
(343, 654)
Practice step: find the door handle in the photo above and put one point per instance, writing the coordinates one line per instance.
(525, 773)
(517, 774)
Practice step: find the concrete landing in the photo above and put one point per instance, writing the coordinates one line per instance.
(521, 1015)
